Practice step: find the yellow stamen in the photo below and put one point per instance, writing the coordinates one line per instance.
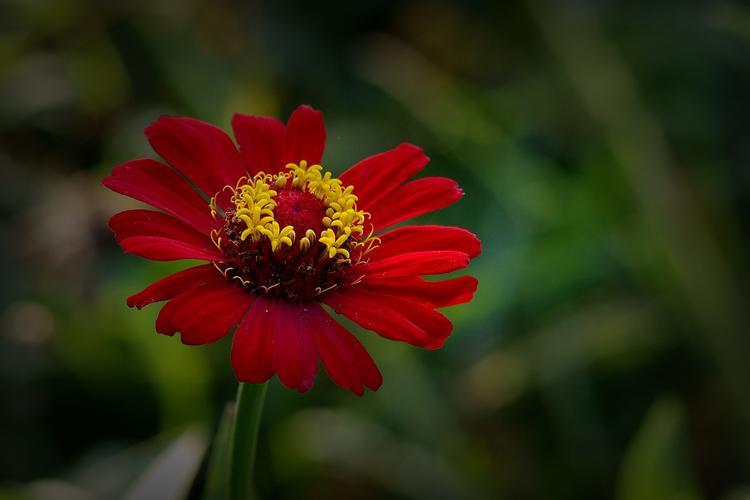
(255, 200)
(333, 243)
(306, 241)
(278, 235)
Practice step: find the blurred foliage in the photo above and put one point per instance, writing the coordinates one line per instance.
(655, 467)
(604, 150)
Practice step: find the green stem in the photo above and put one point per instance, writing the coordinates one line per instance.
(248, 409)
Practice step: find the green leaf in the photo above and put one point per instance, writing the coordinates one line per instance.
(656, 465)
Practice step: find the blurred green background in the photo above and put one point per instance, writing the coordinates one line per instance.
(604, 150)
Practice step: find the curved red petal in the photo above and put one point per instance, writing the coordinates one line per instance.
(165, 249)
(412, 264)
(261, 139)
(346, 361)
(294, 357)
(201, 151)
(395, 318)
(375, 177)
(204, 313)
(418, 312)
(162, 187)
(424, 238)
(438, 293)
(252, 345)
(149, 223)
(305, 137)
(159, 236)
(412, 199)
(174, 284)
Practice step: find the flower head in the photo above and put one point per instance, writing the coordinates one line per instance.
(282, 237)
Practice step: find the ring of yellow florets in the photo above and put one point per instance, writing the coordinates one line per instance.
(294, 263)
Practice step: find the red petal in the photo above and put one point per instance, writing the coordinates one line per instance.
(305, 137)
(149, 223)
(378, 318)
(261, 139)
(173, 285)
(205, 313)
(160, 186)
(438, 293)
(252, 345)
(294, 357)
(423, 238)
(346, 361)
(204, 153)
(159, 236)
(395, 318)
(414, 198)
(165, 249)
(413, 264)
(375, 177)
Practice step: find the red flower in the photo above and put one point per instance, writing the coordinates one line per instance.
(282, 237)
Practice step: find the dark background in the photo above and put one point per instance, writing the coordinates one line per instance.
(603, 148)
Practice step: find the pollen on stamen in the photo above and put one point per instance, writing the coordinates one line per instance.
(291, 234)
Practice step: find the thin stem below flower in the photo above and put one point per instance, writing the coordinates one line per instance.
(248, 410)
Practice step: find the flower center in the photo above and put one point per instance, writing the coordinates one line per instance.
(290, 235)
(301, 210)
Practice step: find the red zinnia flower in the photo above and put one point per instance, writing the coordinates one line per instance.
(282, 237)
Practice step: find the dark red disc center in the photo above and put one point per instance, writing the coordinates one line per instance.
(299, 209)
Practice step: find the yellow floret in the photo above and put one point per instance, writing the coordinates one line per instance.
(254, 201)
